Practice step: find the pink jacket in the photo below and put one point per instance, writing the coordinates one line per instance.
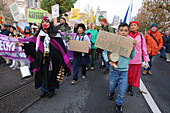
(140, 50)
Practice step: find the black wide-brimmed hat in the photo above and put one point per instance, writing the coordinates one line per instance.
(81, 25)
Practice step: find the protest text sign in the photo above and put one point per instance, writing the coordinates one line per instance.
(79, 46)
(35, 15)
(114, 43)
(15, 11)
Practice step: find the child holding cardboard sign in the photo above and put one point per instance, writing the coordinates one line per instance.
(118, 76)
(80, 58)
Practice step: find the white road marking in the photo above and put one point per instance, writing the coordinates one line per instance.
(149, 98)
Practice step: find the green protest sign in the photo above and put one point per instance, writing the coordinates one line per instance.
(35, 15)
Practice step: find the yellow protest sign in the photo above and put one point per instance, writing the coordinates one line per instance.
(74, 14)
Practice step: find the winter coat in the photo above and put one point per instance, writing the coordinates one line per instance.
(152, 46)
(5, 32)
(22, 32)
(108, 28)
(164, 39)
(167, 44)
(94, 35)
(64, 28)
(140, 50)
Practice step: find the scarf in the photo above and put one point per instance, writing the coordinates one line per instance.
(46, 41)
(133, 34)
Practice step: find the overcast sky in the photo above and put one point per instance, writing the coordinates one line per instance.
(113, 7)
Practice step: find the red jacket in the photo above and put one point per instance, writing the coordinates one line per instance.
(152, 46)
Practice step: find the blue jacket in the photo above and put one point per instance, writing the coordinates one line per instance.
(5, 32)
(123, 62)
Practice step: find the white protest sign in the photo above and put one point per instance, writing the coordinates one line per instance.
(15, 11)
(55, 11)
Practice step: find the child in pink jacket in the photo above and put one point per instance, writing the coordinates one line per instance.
(135, 63)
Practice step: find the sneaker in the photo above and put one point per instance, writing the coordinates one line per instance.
(106, 71)
(92, 68)
(73, 82)
(145, 72)
(119, 109)
(111, 96)
(87, 69)
(130, 91)
(149, 72)
(83, 76)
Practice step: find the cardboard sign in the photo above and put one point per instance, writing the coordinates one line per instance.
(15, 11)
(79, 46)
(114, 43)
(55, 11)
(74, 14)
(35, 15)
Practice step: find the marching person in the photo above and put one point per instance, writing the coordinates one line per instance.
(167, 46)
(63, 26)
(4, 30)
(118, 76)
(154, 43)
(135, 63)
(108, 28)
(79, 57)
(26, 32)
(94, 35)
(48, 57)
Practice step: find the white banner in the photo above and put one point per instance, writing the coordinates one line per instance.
(55, 11)
(15, 11)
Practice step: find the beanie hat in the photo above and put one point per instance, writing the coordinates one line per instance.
(81, 25)
(46, 18)
(134, 22)
(154, 24)
(26, 27)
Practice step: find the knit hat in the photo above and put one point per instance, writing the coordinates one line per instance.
(5, 25)
(81, 25)
(26, 27)
(154, 24)
(46, 18)
(103, 20)
(133, 22)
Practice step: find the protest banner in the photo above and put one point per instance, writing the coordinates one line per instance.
(15, 11)
(35, 15)
(114, 43)
(74, 15)
(55, 11)
(9, 50)
(79, 46)
(100, 15)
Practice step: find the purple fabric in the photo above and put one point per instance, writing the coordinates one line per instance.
(65, 56)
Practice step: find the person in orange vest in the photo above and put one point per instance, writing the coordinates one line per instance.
(26, 32)
(154, 43)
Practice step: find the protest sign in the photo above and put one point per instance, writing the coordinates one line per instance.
(1, 20)
(55, 11)
(9, 50)
(114, 43)
(100, 15)
(74, 14)
(35, 15)
(15, 11)
(79, 46)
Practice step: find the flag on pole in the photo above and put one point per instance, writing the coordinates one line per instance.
(128, 14)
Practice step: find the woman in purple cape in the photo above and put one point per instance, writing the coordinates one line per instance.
(48, 57)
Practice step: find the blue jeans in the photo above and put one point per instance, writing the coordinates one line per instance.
(118, 79)
(162, 52)
(76, 65)
(150, 62)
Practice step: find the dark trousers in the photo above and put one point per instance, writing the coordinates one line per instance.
(76, 64)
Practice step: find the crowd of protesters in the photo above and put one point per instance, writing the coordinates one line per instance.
(125, 77)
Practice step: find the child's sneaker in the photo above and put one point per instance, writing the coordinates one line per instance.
(119, 109)
(111, 96)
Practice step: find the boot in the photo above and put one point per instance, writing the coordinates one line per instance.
(51, 93)
(43, 94)
(145, 72)
(149, 72)
(130, 91)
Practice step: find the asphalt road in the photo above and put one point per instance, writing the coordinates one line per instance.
(89, 95)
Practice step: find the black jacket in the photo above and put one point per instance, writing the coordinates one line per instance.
(5, 32)
(167, 43)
